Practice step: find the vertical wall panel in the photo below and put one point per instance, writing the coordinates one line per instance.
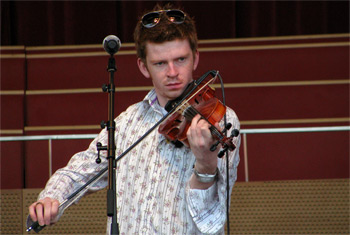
(298, 156)
(37, 163)
(12, 86)
(12, 165)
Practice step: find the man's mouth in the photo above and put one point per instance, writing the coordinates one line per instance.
(174, 86)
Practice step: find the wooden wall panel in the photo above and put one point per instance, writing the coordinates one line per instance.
(13, 70)
(12, 112)
(75, 109)
(269, 82)
(12, 165)
(66, 72)
(296, 62)
(65, 109)
(57, 69)
(37, 163)
(290, 102)
(12, 84)
(323, 155)
(38, 168)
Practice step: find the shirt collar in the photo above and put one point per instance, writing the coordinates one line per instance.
(152, 100)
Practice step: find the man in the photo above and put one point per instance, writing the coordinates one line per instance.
(161, 188)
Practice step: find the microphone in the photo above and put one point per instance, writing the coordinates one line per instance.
(111, 44)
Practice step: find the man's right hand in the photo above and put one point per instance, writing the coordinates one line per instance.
(44, 211)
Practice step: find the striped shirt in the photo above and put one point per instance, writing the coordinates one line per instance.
(153, 193)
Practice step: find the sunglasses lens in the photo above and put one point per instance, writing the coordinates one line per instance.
(176, 16)
(151, 19)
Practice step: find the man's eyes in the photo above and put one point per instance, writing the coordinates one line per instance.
(161, 63)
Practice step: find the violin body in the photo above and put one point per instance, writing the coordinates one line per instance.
(204, 103)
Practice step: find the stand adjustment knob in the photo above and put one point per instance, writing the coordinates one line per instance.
(99, 148)
(103, 124)
(104, 87)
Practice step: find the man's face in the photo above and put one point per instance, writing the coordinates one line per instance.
(170, 66)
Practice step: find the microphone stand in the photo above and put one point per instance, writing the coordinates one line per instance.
(111, 168)
(110, 124)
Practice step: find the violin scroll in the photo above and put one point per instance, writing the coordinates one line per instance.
(234, 133)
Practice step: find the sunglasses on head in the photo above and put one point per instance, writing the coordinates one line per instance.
(151, 19)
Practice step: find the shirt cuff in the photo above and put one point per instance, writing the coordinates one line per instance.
(204, 207)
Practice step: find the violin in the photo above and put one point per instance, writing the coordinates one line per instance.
(197, 98)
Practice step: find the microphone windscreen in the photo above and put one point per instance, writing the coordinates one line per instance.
(111, 44)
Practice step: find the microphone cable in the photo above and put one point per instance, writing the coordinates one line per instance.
(227, 161)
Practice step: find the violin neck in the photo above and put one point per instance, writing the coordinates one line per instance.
(190, 112)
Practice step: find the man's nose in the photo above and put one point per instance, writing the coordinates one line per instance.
(172, 70)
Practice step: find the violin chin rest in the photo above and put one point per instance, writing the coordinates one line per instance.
(177, 143)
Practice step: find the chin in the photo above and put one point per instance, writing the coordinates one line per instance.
(176, 94)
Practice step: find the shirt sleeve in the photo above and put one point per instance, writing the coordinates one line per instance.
(79, 170)
(208, 207)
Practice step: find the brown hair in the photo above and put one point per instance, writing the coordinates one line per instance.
(164, 31)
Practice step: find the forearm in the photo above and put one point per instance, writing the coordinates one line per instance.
(81, 167)
(205, 208)
(69, 179)
(207, 201)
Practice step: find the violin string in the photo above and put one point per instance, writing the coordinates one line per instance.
(193, 112)
(190, 112)
(185, 107)
(205, 85)
(180, 108)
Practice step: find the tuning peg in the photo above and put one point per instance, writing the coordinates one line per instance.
(214, 146)
(235, 133)
(221, 153)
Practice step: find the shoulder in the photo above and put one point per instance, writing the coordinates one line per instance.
(143, 108)
(132, 110)
(232, 118)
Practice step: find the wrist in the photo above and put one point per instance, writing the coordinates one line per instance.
(206, 166)
(205, 177)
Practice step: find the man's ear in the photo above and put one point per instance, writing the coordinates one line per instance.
(196, 60)
(143, 68)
